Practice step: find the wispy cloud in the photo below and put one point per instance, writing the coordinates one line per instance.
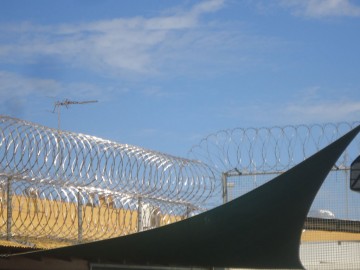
(332, 111)
(313, 105)
(16, 90)
(323, 105)
(13, 86)
(118, 46)
(322, 8)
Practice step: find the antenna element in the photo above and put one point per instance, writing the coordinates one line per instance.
(66, 103)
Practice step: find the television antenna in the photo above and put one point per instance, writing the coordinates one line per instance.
(66, 103)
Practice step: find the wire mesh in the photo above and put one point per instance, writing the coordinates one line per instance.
(68, 187)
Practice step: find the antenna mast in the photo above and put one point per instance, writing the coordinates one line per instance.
(66, 103)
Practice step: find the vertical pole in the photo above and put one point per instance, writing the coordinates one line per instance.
(347, 184)
(58, 111)
(80, 219)
(188, 211)
(140, 225)
(9, 208)
(224, 184)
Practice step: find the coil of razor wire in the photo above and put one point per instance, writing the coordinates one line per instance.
(78, 187)
(270, 149)
(67, 159)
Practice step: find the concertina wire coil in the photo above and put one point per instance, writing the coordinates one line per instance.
(270, 149)
(74, 187)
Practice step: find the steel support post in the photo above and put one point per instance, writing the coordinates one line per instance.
(9, 208)
(80, 218)
(140, 225)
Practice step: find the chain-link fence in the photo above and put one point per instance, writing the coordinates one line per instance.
(244, 159)
(58, 188)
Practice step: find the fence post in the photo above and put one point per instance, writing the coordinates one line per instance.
(80, 219)
(224, 187)
(140, 225)
(224, 178)
(9, 208)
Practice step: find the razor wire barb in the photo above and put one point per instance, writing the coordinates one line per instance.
(74, 187)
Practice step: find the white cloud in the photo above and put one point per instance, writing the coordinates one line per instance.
(13, 85)
(208, 6)
(115, 46)
(322, 8)
(319, 104)
(16, 90)
(327, 111)
(312, 107)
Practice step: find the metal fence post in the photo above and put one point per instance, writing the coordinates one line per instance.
(9, 208)
(224, 187)
(80, 219)
(140, 225)
(224, 178)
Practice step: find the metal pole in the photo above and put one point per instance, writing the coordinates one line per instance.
(9, 209)
(188, 211)
(80, 220)
(347, 184)
(225, 189)
(58, 113)
(140, 225)
(224, 178)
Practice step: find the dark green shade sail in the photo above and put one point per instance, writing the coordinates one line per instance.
(260, 229)
(355, 175)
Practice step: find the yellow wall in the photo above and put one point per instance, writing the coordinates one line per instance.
(54, 222)
(324, 236)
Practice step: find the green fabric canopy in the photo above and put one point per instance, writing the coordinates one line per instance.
(260, 229)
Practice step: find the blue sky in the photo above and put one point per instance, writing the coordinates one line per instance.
(168, 73)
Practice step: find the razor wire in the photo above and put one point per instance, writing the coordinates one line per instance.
(74, 187)
(270, 149)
